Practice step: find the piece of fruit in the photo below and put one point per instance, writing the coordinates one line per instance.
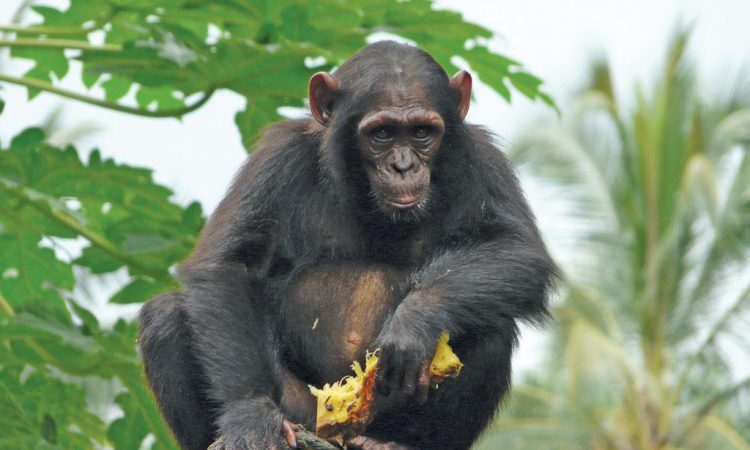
(345, 407)
(445, 363)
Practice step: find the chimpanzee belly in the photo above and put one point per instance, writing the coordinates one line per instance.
(332, 314)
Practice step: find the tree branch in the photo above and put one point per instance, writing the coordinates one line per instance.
(5, 307)
(305, 441)
(48, 87)
(58, 43)
(308, 441)
(43, 30)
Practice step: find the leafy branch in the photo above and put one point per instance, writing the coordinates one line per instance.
(264, 55)
(50, 210)
(45, 86)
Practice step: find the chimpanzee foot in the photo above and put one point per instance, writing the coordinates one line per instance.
(286, 439)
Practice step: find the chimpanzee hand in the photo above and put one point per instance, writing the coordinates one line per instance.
(407, 347)
(254, 425)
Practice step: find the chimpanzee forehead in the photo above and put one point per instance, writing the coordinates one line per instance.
(390, 63)
(400, 93)
(393, 75)
(399, 88)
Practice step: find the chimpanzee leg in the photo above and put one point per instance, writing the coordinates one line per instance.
(174, 375)
(456, 413)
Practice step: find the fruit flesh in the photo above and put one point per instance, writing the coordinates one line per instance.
(344, 408)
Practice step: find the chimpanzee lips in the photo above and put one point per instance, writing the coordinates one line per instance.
(405, 201)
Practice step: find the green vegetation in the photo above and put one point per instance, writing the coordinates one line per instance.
(51, 342)
(657, 277)
(173, 55)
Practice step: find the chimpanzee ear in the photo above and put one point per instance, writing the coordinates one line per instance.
(461, 82)
(323, 89)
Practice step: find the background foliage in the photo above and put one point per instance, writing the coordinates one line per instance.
(173, 55)
(655, 310)
(64, 221)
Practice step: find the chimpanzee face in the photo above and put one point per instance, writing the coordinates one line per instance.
(399, 133)
(397, 142)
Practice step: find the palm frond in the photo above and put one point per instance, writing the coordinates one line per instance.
(657, 263)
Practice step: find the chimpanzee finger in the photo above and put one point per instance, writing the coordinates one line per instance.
(290, 434)
(423, 382)
(381, 383)
(381, 376)
(411, 373)
(395, 372)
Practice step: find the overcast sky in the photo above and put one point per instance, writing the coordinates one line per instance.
(554, 39)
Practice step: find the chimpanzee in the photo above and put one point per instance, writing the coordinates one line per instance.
(380, 222)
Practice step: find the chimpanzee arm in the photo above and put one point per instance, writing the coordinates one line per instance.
(224, 283)
(234, 346)
(470, 291)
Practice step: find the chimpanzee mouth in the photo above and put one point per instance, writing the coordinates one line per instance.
(404, 205)
(404, 201)
(404, 210)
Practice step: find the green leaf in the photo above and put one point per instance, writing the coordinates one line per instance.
(255, 117)
(116, 87)
(28, 270)
(128, 432)
(89, 78)
(47, 62)
(29, 325)
(159, 98)
(140, 290)
(90, 324)
(98, 260)
(43, 411)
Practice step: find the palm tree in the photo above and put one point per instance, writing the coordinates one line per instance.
(652, 331)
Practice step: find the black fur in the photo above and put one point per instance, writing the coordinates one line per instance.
(285, 248)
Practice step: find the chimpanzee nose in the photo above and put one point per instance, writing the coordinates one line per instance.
(403, 163)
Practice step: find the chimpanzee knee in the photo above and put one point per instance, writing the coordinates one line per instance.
(172, 372)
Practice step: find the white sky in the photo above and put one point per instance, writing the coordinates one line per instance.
(554, 39)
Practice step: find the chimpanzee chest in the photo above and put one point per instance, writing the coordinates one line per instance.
(332, 314)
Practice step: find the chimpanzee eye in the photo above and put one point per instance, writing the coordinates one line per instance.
(382, 134)
(421, 133)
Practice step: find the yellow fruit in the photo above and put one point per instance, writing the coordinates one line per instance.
(445, 363)
(345, 408)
